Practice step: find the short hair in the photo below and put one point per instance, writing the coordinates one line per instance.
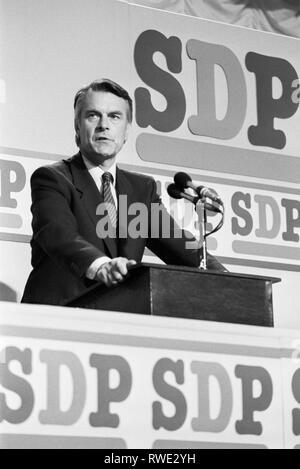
(107, 86)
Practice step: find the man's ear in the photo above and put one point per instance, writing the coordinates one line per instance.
(77, 132)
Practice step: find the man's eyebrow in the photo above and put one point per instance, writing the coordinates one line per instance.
(87, 111)
(95, 111)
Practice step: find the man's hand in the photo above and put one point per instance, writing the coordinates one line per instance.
(115, 271)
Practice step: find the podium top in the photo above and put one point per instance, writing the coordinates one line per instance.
(203, 272)
(178, 269)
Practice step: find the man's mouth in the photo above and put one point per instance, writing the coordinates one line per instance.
(102, 139)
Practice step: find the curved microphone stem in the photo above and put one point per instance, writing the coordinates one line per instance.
(202, 215)
(201, 209)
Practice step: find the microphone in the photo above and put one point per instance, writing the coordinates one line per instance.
(183, 181)
(175, 193)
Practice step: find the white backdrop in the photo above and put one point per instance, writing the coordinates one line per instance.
(177, 383)
(50, 49)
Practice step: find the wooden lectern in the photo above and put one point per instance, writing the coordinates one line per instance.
(185, 292)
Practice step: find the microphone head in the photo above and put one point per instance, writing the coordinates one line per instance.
(181, 180)
(174, 192)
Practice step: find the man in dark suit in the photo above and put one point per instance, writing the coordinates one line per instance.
(75, 242)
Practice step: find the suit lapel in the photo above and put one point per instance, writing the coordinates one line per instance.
(91, 197)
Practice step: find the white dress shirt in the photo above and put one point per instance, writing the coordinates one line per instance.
(97, 172)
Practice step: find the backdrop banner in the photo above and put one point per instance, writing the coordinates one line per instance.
(79, 379)
(218, 101)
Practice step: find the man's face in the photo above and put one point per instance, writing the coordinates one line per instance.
(103, 126)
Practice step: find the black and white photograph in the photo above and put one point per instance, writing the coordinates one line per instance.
(149, 227)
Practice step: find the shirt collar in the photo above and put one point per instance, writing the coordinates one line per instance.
(97, 171)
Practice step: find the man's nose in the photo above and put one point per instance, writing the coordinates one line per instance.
(103, 122)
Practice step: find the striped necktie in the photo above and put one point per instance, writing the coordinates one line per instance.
(107, 180)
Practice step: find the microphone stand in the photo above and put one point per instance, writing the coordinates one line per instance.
(201, 208)
(202, 217)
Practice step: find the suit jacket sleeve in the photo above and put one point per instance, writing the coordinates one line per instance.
(180, 247)
(55, 228)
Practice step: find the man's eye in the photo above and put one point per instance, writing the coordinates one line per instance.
(116, 116)
(92, 116)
